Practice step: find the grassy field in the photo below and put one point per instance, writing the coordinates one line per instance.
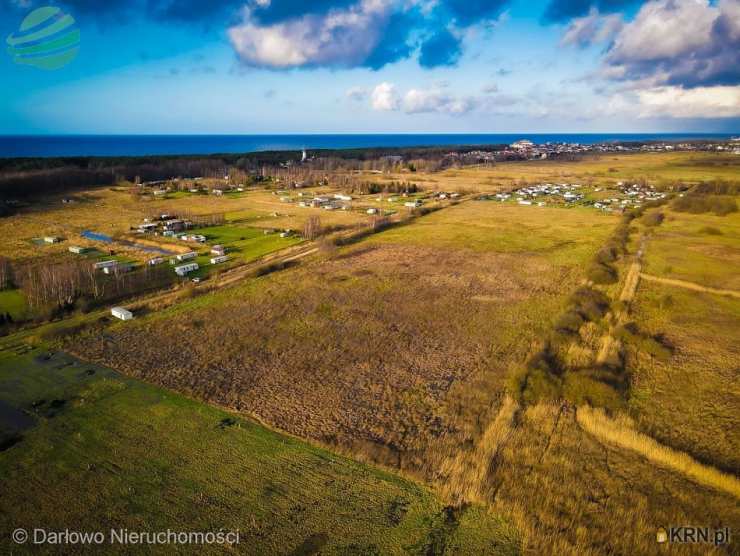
(658, 168)
(13, 302)
(701, 248)
(245, 243)
(386, 391)
(109, 452)
(704, 331)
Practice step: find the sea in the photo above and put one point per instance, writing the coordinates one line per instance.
(142, 145)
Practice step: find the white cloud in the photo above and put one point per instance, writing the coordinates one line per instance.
(690, 43)
(700, 102)
(341, 37)
(416, 101)
(385, 97)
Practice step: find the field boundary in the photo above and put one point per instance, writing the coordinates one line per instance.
(617, 433)
(689, 285)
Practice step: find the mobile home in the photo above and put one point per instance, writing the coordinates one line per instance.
(184, 269)
(221, 259)
(186, 256)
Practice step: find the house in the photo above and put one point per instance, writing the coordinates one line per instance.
(121, 313)
(155, 261)
(104, 264)
(372, 211)
(159, 192)
(218, 250)
(118, 269)
(221, 259)
(184, 269)
(342, 197)
(218, 192)
(173, 225)
(52, 239)
(77, 250)
(413, 204)
(186, 256)
(147, 227)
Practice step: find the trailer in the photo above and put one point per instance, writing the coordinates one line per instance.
(121, 313)
(104, 264)
(184, 269)
(221, 259)
(186, 256)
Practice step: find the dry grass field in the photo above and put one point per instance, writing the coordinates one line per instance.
(473, 348)
(113, 211)
(350, 350)
(691, 400)
(658, 168)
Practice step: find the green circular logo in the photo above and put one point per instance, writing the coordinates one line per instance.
(47, 39)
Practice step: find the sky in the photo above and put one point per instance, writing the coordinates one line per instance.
(374, 66)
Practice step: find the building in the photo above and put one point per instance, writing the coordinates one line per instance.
(118, 269)
(121, 313)
(155, 261)
(413, 204)
(186, 256)
(52, 239)
(77, 250)
(218, 250)
(184, 269)
(221, 259)
(104, 264)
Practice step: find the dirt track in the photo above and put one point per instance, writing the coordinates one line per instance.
(689, 285)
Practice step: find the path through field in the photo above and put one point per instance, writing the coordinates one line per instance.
(689, 285)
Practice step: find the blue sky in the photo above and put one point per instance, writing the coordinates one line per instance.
(364, 66)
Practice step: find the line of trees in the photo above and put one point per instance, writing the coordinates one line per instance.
(64, 284)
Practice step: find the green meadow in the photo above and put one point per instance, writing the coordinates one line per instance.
(111, 452)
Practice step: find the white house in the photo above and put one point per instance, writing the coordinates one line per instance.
(104, 264)
(121, 313)
(184, 269)
(221, 259)
(186, 256)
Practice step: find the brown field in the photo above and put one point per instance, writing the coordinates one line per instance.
(658, 168)
(350, 351)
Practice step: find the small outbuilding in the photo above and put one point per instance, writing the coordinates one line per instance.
(121, 313)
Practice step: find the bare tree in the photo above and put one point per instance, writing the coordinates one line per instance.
(312, 228)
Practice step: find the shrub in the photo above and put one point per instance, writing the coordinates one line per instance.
(580, 389)
(698, 204)
(591, 304)
(653, 218)
(569, 323)
(607, 254)
(600, 273)
(541, 385)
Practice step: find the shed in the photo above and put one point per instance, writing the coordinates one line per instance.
(121, 313)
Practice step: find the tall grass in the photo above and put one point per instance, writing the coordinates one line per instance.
(618, 431)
